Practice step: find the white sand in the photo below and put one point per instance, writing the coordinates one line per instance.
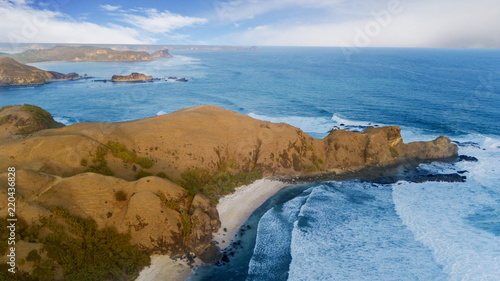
(164, 268)
(234, 210)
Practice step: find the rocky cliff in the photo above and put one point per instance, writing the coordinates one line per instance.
(13, 73)
(127, 174)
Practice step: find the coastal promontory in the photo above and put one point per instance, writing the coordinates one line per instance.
(13, 73)
(153, 183)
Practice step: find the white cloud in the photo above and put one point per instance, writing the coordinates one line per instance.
(23, 24)
(160, 22)
(110, 8)
(443, 23)
(235, 10)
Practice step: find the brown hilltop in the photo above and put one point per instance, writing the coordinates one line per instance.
(208, 137)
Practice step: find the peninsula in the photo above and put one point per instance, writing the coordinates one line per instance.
(13, 73)
(159, 179)
(85, 53)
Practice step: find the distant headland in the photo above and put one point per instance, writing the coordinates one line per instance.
(85, 53)
(13, 73)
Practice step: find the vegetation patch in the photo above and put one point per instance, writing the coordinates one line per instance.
(215, 185)
(87, 253)
(162, 175)
(142, 174)
(33, 256)
(121, 195)
(100, 165)
(171, 204)
(186, 225)
(42, 117)
(394, 152)
(5, 107)
(120, 151)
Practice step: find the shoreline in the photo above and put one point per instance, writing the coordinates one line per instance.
(234, 209)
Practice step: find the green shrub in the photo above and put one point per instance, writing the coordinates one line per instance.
(100, 164)
(169, 203)
(121, 195)
(394, 152)
(218, 184)
(89, 253)
(142, 174)
(40, 115)
(162, 175)
(119, 150)
(83, 162)
(33, 256)
(186, 225)
(146, 163)
(5, 107)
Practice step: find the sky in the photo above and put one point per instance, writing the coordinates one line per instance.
(345, 23)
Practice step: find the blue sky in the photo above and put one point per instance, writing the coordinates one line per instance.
(360, 23)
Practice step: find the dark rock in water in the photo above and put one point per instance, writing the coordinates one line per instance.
(467, 158)
(225, 229)
(467, 143)
(441, 178)
(342, 124)
(172, 78)
(225, 258)
(463, 172)
(182, 80)
(211, 254)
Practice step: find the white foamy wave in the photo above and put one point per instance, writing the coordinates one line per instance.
(66, 121)
(316, 125)
(350, 231)
(271, 255)
(339, 121)
(439, 216)
(161, 112)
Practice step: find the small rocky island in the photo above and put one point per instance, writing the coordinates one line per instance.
(134, 77)
(13, 73)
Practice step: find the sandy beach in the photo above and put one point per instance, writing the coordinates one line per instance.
(234, 210)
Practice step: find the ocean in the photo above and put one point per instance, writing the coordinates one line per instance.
(349, 230)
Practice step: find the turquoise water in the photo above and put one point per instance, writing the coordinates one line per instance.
(333, 230)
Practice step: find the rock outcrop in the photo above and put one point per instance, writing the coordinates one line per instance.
(161, 54)
(134, 77)
(13, 73)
